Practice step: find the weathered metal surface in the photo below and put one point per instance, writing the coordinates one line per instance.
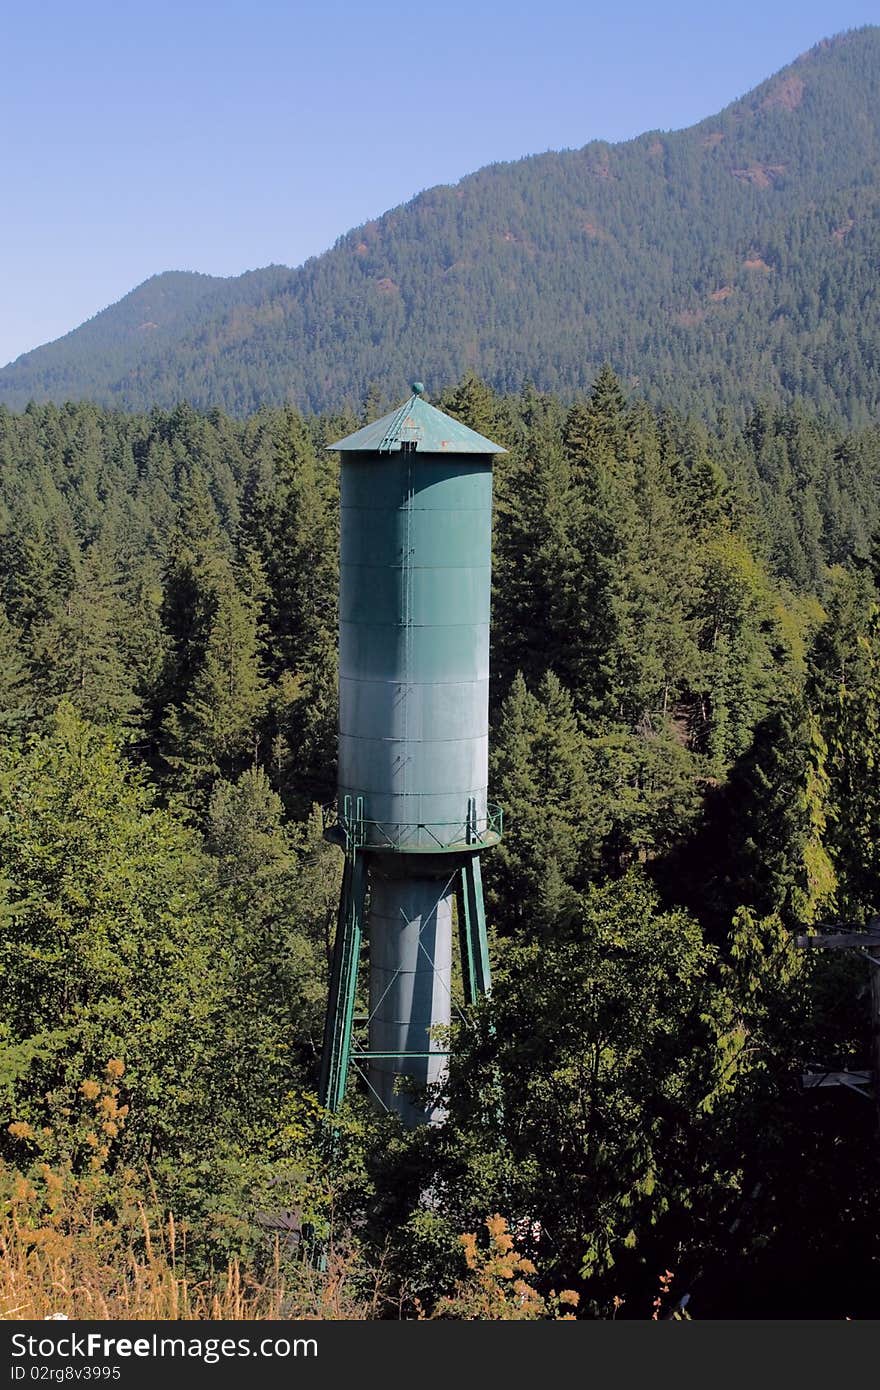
(420, 425)
(416, 531)
(410, 987)
(414, 642)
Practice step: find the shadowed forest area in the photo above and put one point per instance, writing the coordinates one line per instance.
(685, 717)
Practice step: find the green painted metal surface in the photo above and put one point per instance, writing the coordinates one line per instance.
(472, 931)
(410, 988)
(420, 424)
(339, 1020)
(413, 743)
(415, 582)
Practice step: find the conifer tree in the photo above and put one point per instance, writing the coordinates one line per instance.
(538, 774)
(300, 548)
(475, 404)
(217, 728)
(763, 842)
(605, 426)
(849, 718)
(539, 603)
(196, 566)
(305, 708)
(27, 571)
(14, 685)
(77, 653)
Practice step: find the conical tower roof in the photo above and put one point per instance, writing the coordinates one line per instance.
(416, 422)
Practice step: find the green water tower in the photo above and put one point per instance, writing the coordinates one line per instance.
(413, 813)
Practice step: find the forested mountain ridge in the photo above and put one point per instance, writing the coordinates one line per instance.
(710, 266)
(148, 322)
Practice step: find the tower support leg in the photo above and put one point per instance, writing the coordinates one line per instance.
(336, 1052)
(410, 932)
(472, 931)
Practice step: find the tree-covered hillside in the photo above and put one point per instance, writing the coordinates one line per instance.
(711, 266)
(685, 708)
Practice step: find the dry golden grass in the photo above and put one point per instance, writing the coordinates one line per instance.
(45, 1271)
(57, 1255)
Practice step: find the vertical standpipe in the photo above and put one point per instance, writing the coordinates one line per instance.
(416, 519)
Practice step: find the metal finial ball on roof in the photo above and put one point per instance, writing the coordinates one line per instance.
(418, 388)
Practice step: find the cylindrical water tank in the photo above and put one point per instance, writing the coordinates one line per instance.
(415, 554)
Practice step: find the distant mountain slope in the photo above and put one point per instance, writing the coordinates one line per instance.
(735, 259)
(96, 358)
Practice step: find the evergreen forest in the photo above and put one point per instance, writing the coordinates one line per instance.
(685, 713)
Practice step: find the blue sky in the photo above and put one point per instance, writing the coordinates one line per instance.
(220, 137)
